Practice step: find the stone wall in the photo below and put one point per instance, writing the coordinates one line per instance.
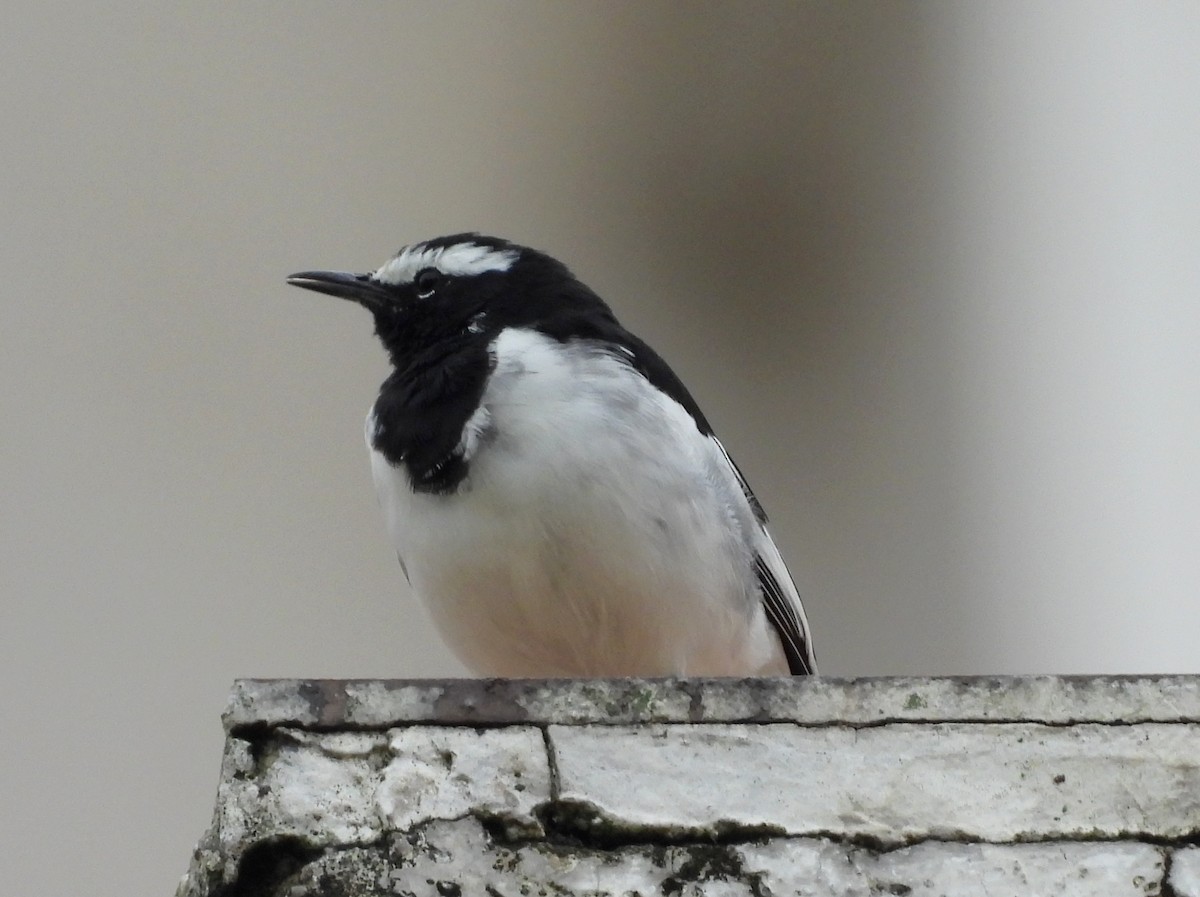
(989, 786)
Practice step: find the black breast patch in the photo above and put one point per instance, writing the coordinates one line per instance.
(420, 415)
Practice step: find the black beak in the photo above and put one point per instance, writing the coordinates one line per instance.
(356, 287)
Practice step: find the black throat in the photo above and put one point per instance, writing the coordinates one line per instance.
(423, 407)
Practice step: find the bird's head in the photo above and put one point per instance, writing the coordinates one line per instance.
(459, 288)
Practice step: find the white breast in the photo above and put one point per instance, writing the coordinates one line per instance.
(597, 533)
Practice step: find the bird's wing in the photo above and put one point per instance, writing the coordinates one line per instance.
(779, 595)
(784, 610)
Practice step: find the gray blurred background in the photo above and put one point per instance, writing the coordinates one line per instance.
(933, 270)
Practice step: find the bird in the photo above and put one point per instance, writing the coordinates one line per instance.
(558, 501)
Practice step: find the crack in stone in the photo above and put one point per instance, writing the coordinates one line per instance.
(240, 730)
(1166, 889)
(255, 731)
(581, 823)
(551, 762)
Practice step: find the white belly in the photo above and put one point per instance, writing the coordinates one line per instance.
(576, 546)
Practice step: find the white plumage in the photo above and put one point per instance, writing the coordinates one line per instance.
(458, 260)
(597, 532)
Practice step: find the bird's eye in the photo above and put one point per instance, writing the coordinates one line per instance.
(426, 281)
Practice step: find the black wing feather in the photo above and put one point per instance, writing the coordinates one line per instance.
(784, 618)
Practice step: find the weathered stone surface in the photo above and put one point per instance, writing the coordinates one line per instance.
(498, 774)
(318, 787)
(867, 788)
(893, 784)
(937, 868)
(1185, 872)
(383, 703)
(312, 791)
(459, 858)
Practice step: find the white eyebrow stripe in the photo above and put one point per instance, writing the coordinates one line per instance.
(464, 259)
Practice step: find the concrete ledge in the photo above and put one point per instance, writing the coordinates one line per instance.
(1043, 785)
(382, 703)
